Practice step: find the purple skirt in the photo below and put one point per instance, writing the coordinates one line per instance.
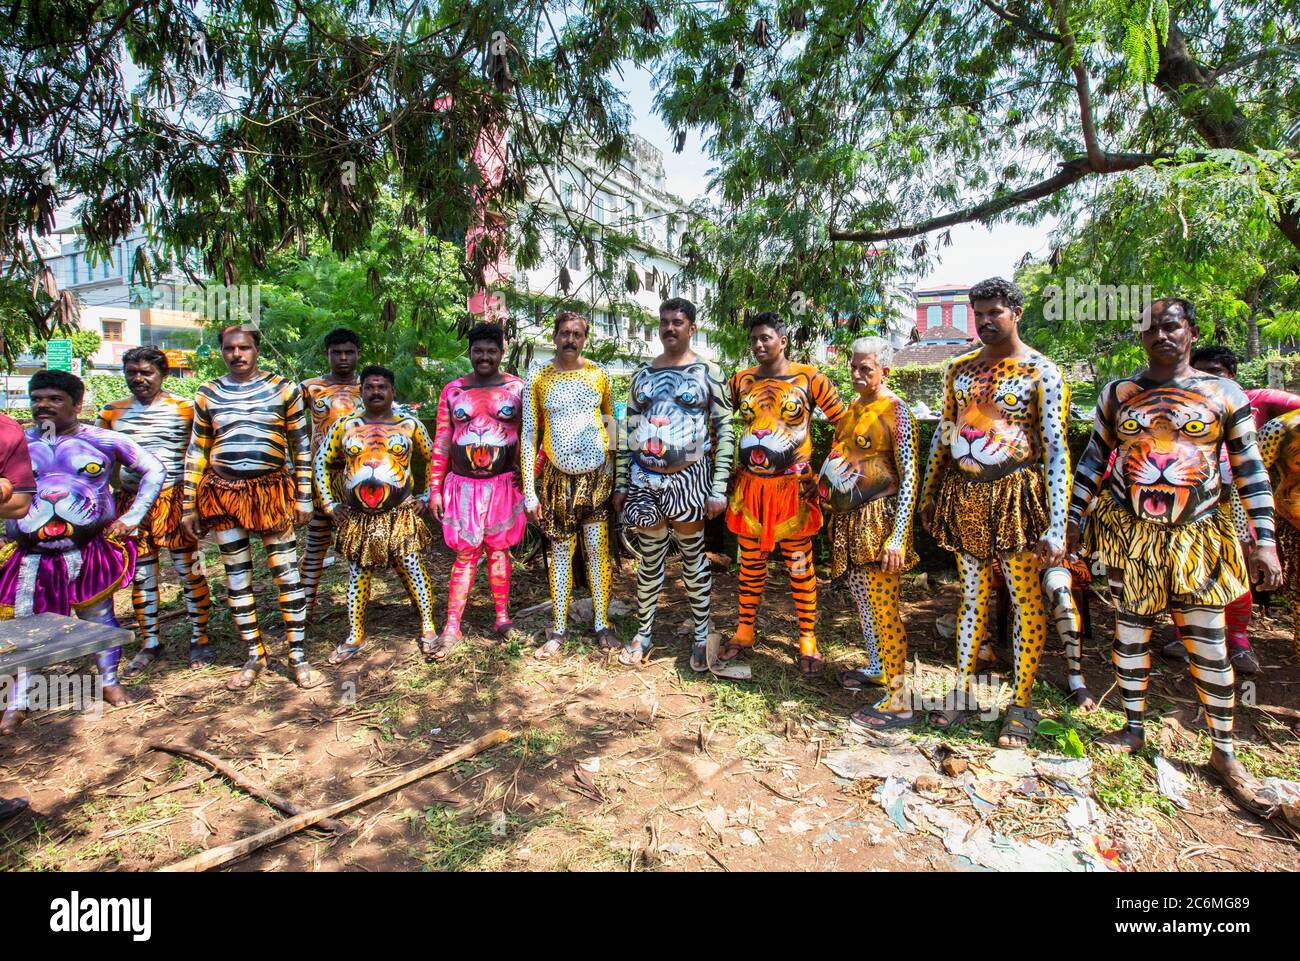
(34, 583)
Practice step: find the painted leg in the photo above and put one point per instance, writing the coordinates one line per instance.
(320, 531)
(798, 557)
(237, 559)
(106, 661)
(973, 616)
(649, 583)
(698, 578)
(1132, 659)
(1057, 585)
(883, 590)
(1030, 634)
(144, 600)
(753, 578)
(415, 578)
(859, 586)
(499, 580)
(359, 581)
(1237, 617)
(560, 574)
(1202, 629)
(282, 557)
(459, 585)
(600, 571)
(188, 565)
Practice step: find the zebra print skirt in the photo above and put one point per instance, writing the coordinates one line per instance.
(655, 498)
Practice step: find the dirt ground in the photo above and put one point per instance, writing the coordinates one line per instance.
(608, 769)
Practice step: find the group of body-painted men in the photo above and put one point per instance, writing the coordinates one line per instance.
(1150, 497)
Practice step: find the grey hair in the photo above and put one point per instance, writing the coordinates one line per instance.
(879, 346)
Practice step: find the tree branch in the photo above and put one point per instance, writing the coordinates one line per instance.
(1023, 24)
(1284, 50)
(1081, 86)
(1070, 172)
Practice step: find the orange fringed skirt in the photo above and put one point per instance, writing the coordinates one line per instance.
(161, 527)
(260, 505)
(772, 509)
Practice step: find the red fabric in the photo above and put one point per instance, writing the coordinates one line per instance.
(15, 463)
(1267, 403)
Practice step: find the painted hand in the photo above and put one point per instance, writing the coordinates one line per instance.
(190, 525)
(1265, 569)
(891, 560)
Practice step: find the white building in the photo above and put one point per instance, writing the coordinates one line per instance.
(631, 201)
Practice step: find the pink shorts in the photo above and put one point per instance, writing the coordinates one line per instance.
(482, 512)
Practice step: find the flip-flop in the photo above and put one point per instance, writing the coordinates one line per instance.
(700, 657)
(889, 721)
(550, 647)
(631, 656)
(144, 659)
(305, 676)
(858, 678)
(345, 652)
(810, 665)
(247, 676)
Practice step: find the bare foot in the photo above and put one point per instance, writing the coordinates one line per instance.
(306, 676)
(115, 695)
(1123, 741)
(247, 676)
(1241, 784)
(1083, 699)
(12, 721)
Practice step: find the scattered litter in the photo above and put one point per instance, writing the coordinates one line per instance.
(749, 837)
(797, 826)
(829, 836)
(1012, 762)
(1286, 794)
(1069, 768)
(946, 626)
(1173, 784)
(983, 806)
(902, 760)
(435, 731)
(875, 835)
(591, 764)
(716, 818)
(733, 670)
(890, 798)
(953, 765)
(928, 784)
(673, 848)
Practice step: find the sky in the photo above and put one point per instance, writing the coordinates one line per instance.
(976, 252)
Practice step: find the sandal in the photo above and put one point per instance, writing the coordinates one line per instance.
(1246, 791)
(1018, 724)
(503, 629)
(949, 717)
(858, 678)
(142, 661)
(1119, 742)
(1244, 661)
(439, 649)
(247, 675)
(550, 647)
(345, 652)
(305, 676)
(631, 656)
(731, 650)
(201, 656)
(700, 657)
(607, 640)
(11, 807)
(885, 720)
(810, 665)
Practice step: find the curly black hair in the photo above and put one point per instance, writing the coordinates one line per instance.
(998, 288)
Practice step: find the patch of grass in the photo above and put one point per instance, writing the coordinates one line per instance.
(1128, 781)
(457, 841)
(540, 742)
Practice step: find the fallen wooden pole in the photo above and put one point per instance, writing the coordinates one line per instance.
(244, 782)
(237, 849)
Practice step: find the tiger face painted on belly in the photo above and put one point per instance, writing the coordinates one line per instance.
(860, 466)
(377, 469)
(1168, 440)
(668, 426)
(996, 416)
(484, 427)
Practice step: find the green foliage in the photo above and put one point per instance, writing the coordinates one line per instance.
(1064, 740)
(85, 344)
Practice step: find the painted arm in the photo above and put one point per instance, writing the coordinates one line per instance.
(424, 444)
(827, 398)
(941, 441)
(626, 431)
(906, 461)
(1249, 475)
(611, 423)
(1270, 442)
(440, 452)
(528, 436)
(298, 440)
(1096, 457)
(1053, 413)
(152, 476)
(197, 454)
(720, 408)
(329, 457)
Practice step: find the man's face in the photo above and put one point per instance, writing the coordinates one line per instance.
(1168, 335)
(675, 331)
(1214, 368)
(54, 407)
(377, 395)
(143, 379)
(570, 337)
(995, 322)
(866, 373)
(766, 344)
(239, 352)
(342, 360)
(485, 358)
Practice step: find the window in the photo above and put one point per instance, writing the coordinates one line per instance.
(112, 330)
(649, 280)
(611, 324)
(933, 316)
(598, 207)
(649, 333)
(72, 264)
(566, 193)
(575, 258)
(959, 316)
